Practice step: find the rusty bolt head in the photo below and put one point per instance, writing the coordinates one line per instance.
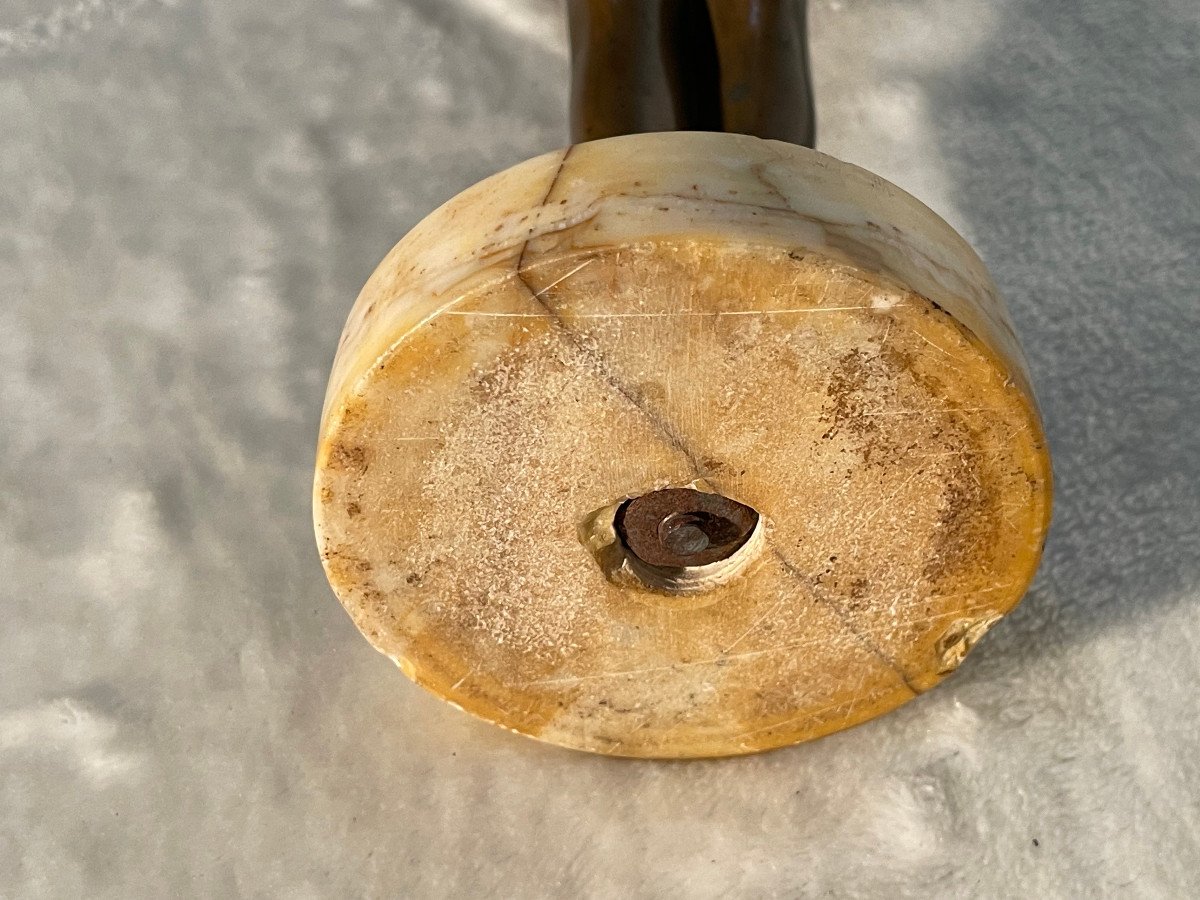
(681, 527)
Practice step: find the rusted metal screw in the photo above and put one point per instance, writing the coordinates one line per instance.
(679, 528)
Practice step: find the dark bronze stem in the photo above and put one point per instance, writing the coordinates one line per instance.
(690, 65)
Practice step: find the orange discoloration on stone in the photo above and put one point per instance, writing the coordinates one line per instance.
(802, 367)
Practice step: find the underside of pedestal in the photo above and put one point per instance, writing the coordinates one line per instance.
(897, 467)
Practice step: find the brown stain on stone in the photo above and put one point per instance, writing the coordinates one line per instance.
(963, 523)
(349, 457)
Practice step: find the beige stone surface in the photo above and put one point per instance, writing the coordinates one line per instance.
(758, 320)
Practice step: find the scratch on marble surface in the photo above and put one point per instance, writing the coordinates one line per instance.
(877, 509)
(785, 598)
(721, 659)
(925, 412)
(669, 314)
(583, 265)
(937, 348)
(813, 713)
